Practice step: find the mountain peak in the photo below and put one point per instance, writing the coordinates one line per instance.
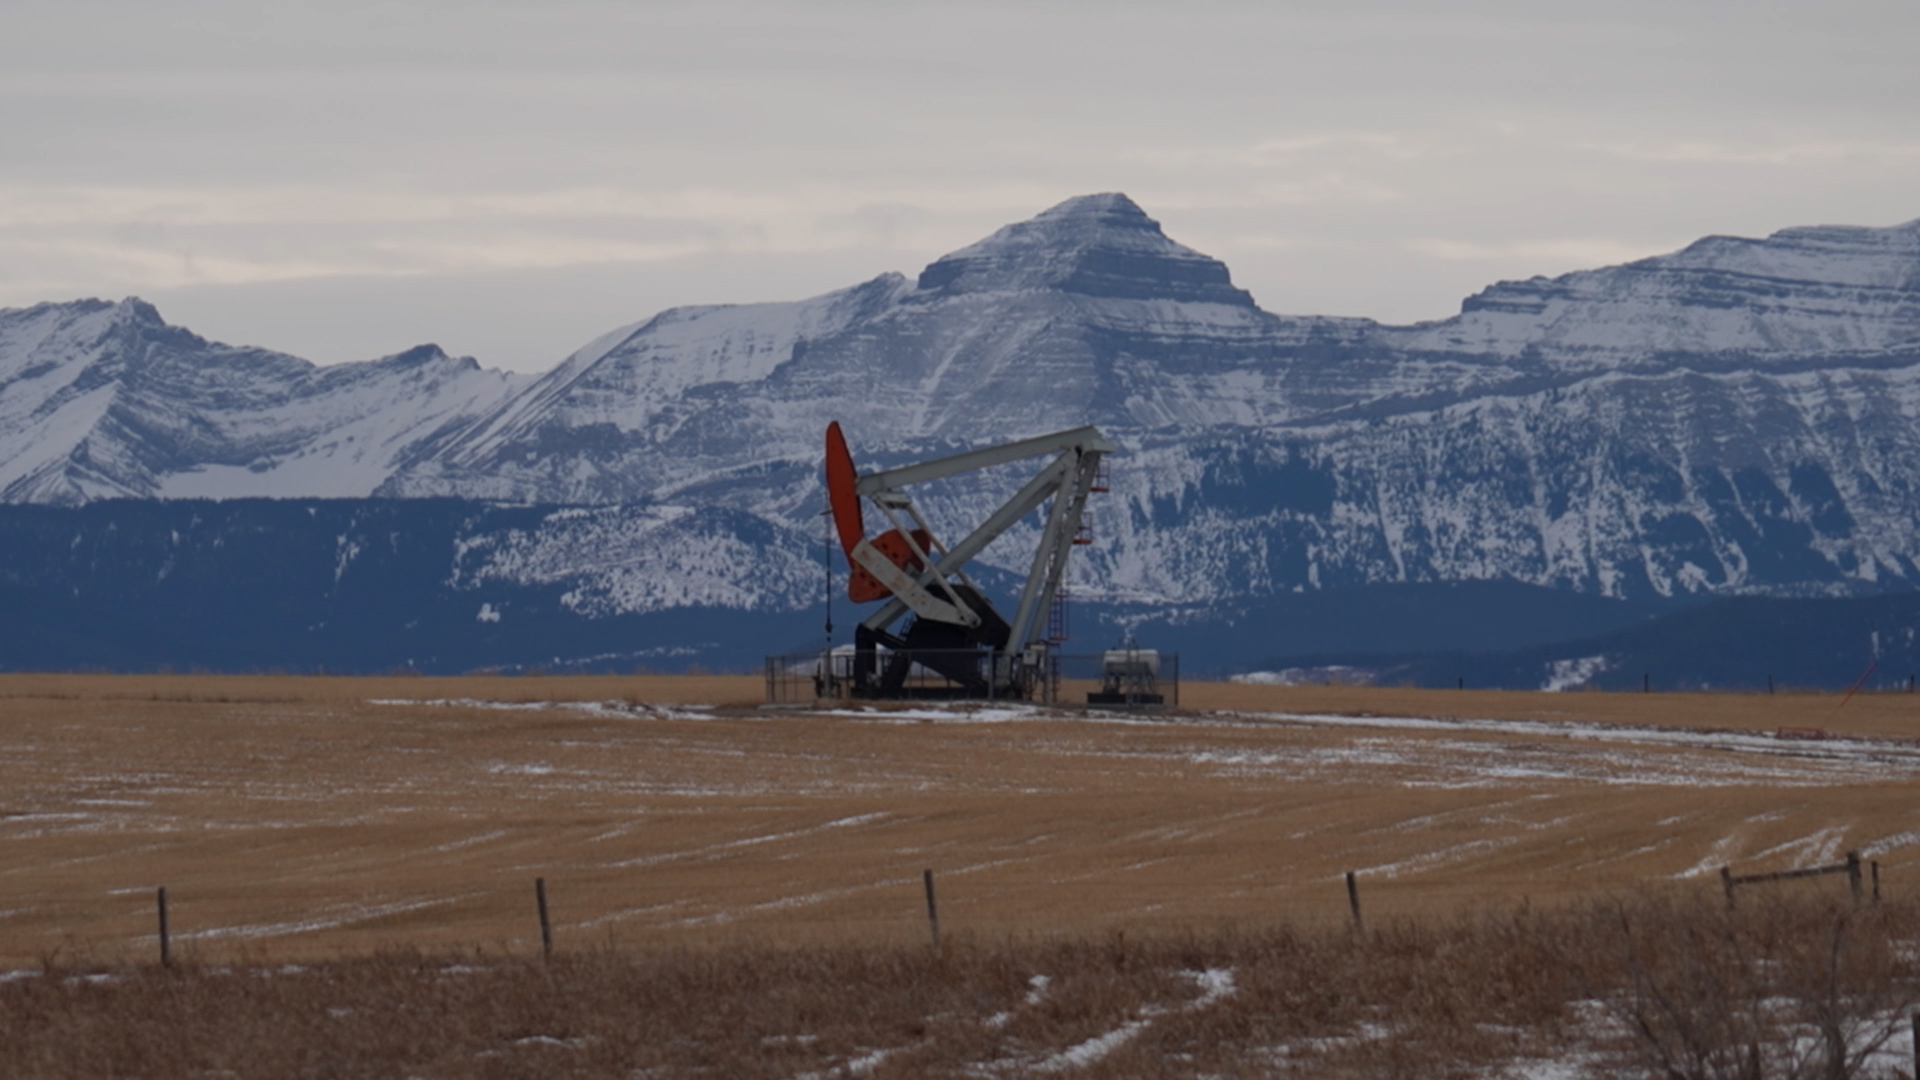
(134, 309)
(428, 353)
(1113, 205)
(1096, 245)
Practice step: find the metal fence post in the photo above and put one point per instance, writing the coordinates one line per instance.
(166, 953)
(546, 928)
(933, 909)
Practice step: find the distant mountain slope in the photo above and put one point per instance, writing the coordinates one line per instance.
(1807, 292)
(447, 585)
(443, 585)
(1735, 643)
(368, 585)
(591, 430)
(1739, 416)
(101, 400)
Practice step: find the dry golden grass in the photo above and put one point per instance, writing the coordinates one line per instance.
(308, 818)
(1786, 987)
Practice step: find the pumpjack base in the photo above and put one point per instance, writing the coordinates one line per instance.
(931, 663)
(935, 693)
(823, 676)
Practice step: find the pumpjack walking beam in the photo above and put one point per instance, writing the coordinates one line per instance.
(914, 572)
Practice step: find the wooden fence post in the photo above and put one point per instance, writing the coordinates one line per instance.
(1726, 882)
(1353, 902)
(1853, 874)
(166, 953)
(933, 909)
(546, 928)
(1876, 880)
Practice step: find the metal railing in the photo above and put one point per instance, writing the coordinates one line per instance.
(1117, 678)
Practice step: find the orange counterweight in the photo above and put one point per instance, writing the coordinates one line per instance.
(844, 500)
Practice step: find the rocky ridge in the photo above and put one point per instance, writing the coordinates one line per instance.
(103, 400)
(1739, 416)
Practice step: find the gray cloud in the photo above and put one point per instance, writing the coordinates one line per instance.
(423, 169)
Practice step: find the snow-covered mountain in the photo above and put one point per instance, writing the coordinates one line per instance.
(1798, 294)
(1742, 415)
(1739, 415)
(102, 400)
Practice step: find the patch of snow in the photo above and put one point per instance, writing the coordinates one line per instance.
(1215, 984)
(1742, 757)
(1094, 1049)
(754, 841)
(1037, 989)
(1325, 675)
(345, 916)
(482, 838)
(601, 708)
(1721, 854)
(789, 1040)
(1891, 843)
(1573, 674)
(574, 1043)
(957, 714)
(530, 769)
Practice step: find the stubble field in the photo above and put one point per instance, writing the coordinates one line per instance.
(306, 818)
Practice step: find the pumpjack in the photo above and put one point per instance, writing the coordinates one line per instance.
(954, 629)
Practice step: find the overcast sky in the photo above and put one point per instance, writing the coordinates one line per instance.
(343, 180)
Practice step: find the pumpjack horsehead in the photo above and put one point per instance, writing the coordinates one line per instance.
(955, 629)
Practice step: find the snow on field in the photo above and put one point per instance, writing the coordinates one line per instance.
(1430, 751)
(597, 708)
(1610, 753)
(1215, 984)
(752, 841)
(346, 915)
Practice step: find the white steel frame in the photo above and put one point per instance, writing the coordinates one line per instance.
(1067, 480)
